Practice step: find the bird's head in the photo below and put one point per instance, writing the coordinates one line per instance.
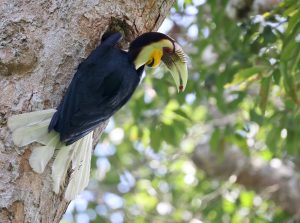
(151, 48)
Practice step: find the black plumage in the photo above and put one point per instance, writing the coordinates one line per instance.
(103, 83)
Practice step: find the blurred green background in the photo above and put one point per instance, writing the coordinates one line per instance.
(242, 93)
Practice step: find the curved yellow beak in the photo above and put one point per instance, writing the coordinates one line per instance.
(176, 61)
(152, 48)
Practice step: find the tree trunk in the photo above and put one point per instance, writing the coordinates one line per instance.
(41, 44)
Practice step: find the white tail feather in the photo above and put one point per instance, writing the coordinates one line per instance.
(60, 166)
(40, 156)
(30, 118)
(81, 161)
(33, 127)
(31, 133)
(46, 139)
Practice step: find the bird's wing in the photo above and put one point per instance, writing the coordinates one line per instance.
(95, 94)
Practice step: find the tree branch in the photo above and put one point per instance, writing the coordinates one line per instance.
(278, 181)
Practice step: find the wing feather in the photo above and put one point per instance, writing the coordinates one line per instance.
(95, 94)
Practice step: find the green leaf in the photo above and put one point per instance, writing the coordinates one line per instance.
(228, 206)
(155, 138)
(268, 35)
(276, 76)
(183, 114)
(290, 48)
(168, 133)
(244, 75)
(289, 83)
(264, 93)
(246, 198)
(145, 200)
(255, 117)
(294, 21)
(216, 140)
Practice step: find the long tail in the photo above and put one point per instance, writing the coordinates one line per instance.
(33, 127)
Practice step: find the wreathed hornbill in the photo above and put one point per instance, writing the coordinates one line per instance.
(103, 83)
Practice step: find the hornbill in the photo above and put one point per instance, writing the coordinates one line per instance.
(102, 84)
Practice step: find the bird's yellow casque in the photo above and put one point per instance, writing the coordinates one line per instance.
(103, 83)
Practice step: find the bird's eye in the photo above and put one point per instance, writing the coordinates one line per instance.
(167, 50)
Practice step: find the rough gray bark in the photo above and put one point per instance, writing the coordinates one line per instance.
(41, 44)
(275, 180)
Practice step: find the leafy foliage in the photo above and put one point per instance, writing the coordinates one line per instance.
(242, 91)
